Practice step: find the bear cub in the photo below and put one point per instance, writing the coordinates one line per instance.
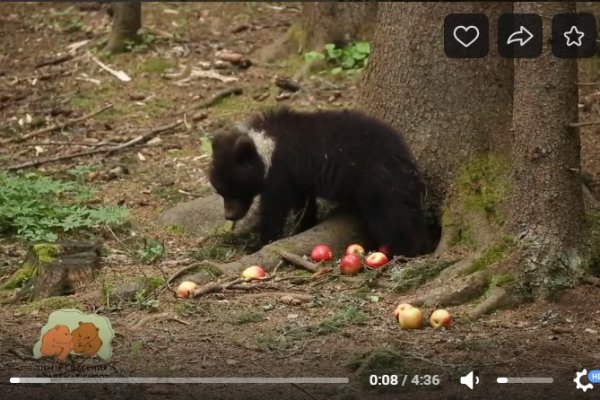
(290, 158)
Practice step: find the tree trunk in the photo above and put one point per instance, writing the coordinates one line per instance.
(449, 110)
(127, 21)
(322, 23)
(547, 200)
(337, 22)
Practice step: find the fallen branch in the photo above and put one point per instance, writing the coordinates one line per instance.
(220, 95)
(56, 126)
(109, 150)
(299, 261)
(180, 272)
(236, 284)
(54, 61)
(161, 316)
(582, 124)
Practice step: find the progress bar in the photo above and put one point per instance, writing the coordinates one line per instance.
(503, 379)
(208, 380)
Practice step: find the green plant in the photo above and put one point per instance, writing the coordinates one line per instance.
(145, 42)
(38, 208)
(151, 252)
(352, 58)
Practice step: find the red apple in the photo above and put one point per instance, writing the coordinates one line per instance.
(321, 253)
(440, 318)
(385, 250)
(355, 249)
(411, 318)
(185, 288)
(350, 264)
(376, 260)
(401, 307)
(253, 272)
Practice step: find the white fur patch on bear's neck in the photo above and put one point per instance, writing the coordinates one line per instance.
(264, 145)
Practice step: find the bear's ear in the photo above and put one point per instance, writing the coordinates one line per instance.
(244, 149)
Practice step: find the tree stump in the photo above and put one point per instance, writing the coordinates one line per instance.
(61, 268)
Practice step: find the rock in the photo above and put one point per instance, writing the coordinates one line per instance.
(204, 216)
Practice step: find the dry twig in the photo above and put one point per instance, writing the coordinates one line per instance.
(55, 127)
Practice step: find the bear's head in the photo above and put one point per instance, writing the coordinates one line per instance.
(84, 333)
(238, 169)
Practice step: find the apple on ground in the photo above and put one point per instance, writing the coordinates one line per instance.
(440, 319)
(376, 260)
(350, 264)
(355, 249)
(254, 271)
(321, 253)
(411, 318)
(185, 288)
(401, 307)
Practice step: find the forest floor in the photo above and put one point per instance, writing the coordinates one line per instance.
(347, 330)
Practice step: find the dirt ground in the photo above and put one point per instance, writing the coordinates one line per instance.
(346, 331)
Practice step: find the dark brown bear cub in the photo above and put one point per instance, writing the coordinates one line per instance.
(289, 158)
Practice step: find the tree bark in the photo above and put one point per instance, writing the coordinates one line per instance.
(127, 21)
(449, 110)
(322, 23)
(337, 22)
(547, 199)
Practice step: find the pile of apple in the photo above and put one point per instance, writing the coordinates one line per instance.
(352, 261)
(411, 317)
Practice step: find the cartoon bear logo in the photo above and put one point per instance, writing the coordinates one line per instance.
(85, 339)
(57, 342)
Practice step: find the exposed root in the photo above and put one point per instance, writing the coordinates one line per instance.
(497, 298)
(337, 231)
(458, 291)
(591, 280)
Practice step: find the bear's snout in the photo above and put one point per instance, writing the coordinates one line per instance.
(235, 209)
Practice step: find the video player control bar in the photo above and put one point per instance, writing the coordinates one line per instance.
(207, 380)
(531, 379)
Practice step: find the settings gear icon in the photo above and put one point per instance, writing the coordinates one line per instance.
(577, 381)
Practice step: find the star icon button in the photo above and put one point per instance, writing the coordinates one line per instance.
(574, 36)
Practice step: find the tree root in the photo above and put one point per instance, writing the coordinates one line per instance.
(493, 286)
(337, 231)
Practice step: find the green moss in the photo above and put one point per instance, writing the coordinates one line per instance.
(497, 280)
(463, 236)
(483, 184)
(156, 65)
(491, 255)
(593, 222)
(46, 252)
(21, 276)
(247, 318)
(176, 229)
(49, 304)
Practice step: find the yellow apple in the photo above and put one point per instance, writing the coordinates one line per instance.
(411, 318)
(440, 318)
(254, 272)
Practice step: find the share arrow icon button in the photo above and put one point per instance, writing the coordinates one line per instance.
(520, 35)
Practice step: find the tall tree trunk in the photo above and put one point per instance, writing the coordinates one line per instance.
(321, 23)
(449, 110)
(547, 201)
(337, 22)
(127, 21)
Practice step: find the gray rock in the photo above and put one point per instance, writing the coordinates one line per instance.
(204, 216)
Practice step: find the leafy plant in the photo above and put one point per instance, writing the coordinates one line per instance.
(152, 251)
(352, 58)
(37, 208)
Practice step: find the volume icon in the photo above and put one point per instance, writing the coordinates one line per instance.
(469, 380)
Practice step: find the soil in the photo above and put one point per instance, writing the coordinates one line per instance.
(346, 330)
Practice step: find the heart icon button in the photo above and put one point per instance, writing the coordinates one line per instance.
(466, 35)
